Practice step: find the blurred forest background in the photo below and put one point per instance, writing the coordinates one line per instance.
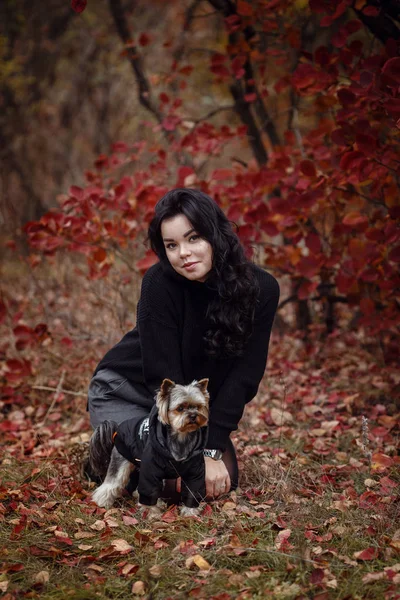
(287, 112)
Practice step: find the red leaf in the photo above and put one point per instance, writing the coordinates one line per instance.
(351, 160)
(147, 261)
(354, 218)
(219, 174)
(306, 289)
(394, 254)
(99, 255)
(371, 11)
(340, 9)
(186, 70)
(346, 96)
(170, 123)
(380, 462)
(370, 553)
(78, 5)
(164, 98)
(184, 172)
(244, 8)
(367, 306)
(313, 243)
(250, 97)
(144, 39)
(317, 576)
(391, 68)
(307, 167)
(170, 516)
(3, 311)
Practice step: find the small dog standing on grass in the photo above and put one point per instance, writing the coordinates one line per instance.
(167, 444)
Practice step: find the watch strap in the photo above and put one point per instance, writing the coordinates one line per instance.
(215, 454)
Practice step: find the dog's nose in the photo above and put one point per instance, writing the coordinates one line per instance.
(193, 418)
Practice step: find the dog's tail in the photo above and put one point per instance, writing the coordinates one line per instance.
(100, 447)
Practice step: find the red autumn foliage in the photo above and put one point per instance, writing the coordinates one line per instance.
(323, 207)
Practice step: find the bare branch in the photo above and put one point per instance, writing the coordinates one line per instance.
(134, 58)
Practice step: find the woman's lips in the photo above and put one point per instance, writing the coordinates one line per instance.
(190, 266)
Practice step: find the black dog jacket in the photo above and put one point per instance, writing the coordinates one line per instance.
(145, 440)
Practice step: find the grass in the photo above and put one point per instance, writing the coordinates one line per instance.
(71, 540)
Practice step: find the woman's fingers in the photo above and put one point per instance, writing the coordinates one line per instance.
(218, 481)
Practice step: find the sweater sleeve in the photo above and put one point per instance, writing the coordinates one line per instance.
(157, 322)
(242, 381)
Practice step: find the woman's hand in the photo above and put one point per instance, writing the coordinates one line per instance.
(217, 478)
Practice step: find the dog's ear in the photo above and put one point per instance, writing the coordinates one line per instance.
(202, 384)
(162, 400)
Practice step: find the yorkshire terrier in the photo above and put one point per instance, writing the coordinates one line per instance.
(144, 451)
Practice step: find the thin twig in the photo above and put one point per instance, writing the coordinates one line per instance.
(61, 391)
(56, 395)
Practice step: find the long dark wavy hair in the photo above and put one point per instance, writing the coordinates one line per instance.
(230, 314)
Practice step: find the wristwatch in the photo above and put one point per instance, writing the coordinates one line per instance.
(214, 454)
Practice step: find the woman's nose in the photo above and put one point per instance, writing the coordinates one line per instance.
(184, 250)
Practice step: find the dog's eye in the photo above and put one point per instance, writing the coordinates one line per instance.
(180, 409)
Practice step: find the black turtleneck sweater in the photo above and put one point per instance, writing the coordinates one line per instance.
(167, 342)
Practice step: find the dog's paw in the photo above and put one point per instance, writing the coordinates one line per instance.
(150, 512)
(187, 511)
(104, 496)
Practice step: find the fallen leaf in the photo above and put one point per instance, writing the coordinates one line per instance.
(369, 577)
(139, 588)
(111, 522)
(156, 571)
(371, 483)
(97, 568)
(380, 462)
(42, 577)
(129, 520)
(253, 574)
(207, 542)
(280, 417)
(281, 539)
(83, 535)
(228, 506)
(98, 525)
(199, 561)
(60, 534)
(368, 554)
(129, 569)
(121, 545)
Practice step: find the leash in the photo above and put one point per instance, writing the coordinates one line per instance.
(183, 481)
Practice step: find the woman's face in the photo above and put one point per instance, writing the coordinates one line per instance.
(189, 254)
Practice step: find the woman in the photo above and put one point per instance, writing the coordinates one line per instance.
(205, 311)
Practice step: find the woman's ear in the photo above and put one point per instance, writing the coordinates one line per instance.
(162, 400)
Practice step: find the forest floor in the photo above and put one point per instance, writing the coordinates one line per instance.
(317, 514)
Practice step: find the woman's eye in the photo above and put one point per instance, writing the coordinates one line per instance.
(170, 246)
(194, 237)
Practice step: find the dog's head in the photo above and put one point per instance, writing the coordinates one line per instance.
(183, 407)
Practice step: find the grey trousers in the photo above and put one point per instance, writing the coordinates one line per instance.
(112, 397)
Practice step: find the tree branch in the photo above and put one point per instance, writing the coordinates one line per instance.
(382, 26)
(134, 58)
